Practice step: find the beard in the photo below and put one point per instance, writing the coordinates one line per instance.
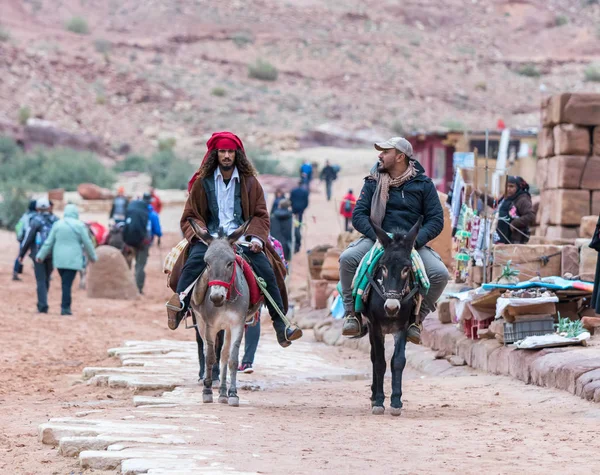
(381, 167)
(226, 168)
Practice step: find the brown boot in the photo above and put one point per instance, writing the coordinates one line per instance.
(174, 311)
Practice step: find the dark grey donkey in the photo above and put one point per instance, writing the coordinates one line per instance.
(389, 307)
(224, 306)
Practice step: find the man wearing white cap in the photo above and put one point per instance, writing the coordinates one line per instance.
(394, 196)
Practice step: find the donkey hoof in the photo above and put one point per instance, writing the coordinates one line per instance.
(207, 398)
(234, 401)
(377, 410)
(222, 399)
(396, 411)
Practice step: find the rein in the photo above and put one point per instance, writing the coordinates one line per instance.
(228, 285)
(405, 298)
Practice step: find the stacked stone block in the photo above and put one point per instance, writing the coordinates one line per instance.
(568, 163)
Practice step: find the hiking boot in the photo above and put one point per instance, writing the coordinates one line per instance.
(175, 311)
(65, 311)
(352, 325)
(285, 335)
(414, 334)
(246, 368)
(16, 277)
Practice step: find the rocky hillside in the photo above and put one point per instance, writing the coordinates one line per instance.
(133, 71)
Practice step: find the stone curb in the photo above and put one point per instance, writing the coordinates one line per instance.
(572, 369)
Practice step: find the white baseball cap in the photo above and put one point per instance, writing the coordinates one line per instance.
(399, 143)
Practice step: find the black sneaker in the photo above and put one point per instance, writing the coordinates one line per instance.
(285, 335)
(246, 368)
(65, 311)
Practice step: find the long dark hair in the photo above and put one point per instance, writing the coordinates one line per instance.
(242, 163)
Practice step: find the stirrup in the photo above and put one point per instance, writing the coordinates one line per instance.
(296, 329)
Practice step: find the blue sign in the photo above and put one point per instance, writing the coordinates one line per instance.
(463, 160)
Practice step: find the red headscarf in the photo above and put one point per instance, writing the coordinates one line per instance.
(218, 140)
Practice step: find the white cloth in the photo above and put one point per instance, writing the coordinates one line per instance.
(226, 202)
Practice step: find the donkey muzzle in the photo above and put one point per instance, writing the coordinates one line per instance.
(391, 307)
(218, 295)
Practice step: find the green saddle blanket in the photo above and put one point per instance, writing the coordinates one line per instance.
(367, 266)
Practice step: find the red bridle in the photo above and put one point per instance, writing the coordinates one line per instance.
(228, 285)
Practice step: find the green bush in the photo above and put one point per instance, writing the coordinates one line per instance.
(168, 171)
(561, 20)
(132, 163)
(263, 70)
(4, 35)
(454, 125)
(102, 46)
(77, 25)
(242, 38)
(61, 168)
(167, 143)
(14, 203)
(529, 70)
(592, 73)
(219, 92)
(24, 115)
(398, 128)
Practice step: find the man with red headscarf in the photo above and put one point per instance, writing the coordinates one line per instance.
(225, 193)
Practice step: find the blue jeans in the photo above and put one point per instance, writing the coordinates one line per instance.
(251, 337)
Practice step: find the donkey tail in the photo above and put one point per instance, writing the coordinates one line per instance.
(363, 332)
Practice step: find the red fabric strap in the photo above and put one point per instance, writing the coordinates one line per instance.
(228, 285)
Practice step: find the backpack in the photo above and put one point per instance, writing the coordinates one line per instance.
(348, 205)
(135, 231)
(44, 231)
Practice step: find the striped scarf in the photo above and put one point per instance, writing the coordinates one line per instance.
(382, 192)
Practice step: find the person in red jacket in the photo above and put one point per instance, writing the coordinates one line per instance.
(346, 208)
(155, 202)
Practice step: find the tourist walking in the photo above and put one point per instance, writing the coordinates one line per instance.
(22, 228)
(39, 230)
(69, 239)
(346, 208)
(328, 175)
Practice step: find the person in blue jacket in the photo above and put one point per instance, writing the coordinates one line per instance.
(143, 250)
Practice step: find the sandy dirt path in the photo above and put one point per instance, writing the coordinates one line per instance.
(465, 424)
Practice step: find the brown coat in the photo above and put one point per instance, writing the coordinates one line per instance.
(254, 206)
(525, 220)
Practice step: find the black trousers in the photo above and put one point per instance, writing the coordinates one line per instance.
(67, 276)
(42, 278)
(195, 265)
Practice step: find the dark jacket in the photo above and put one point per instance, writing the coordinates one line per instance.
(36, 225)
(299, 199)
(281, 229)
(119, 208)
(417, 197)
(526, 218)
(328, 173)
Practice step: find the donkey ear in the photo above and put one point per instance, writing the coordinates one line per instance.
(239, 232)
(384, 239)
(411, 236)
(200, 233)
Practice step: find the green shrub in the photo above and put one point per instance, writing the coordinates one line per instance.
(13, 204)
(242, 39)
(561, 20)
(398, 128)
(529, 70)
(170, 172)
(62, 168)
(102, 46)
(592, 73)
(132, 163)
(4, 35)
(454, 125)
(167, 143)
(8, 149)
(219, 92)
(24, 115)
(263, 70)
(77, 25)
